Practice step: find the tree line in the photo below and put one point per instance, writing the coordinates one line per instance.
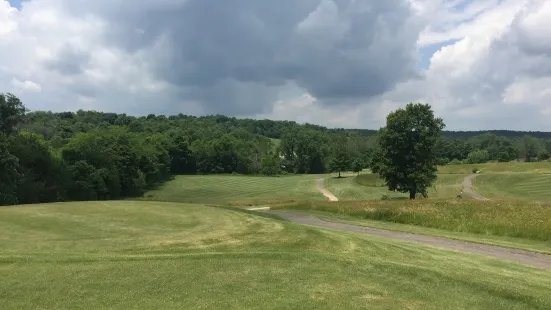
(89, 155)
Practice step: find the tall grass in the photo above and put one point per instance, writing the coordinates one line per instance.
(499, 218)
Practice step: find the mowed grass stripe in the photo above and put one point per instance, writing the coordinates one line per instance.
(371, 187)
(222, 189)
(534, 167)
(515, 186)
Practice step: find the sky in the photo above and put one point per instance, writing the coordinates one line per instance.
(483, 64)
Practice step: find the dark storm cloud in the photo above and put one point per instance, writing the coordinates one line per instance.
(70, 61)
(334, 49)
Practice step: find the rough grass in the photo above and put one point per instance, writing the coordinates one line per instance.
(517, 186)
(144, 255)
(537, 167)
(498, 218)
(230, 189)
(507, 242)
(372, 187)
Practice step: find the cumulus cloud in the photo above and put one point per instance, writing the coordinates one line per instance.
(232, 57)
(496, 72)
(343, 63)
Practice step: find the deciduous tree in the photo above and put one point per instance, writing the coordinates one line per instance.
(407, 160)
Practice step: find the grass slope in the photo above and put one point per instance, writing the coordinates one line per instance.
(518, 186)
(143, 255)
(223, 189)
(537, 167)
(372, 187)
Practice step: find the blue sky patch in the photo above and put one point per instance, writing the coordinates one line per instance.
(16, 3)
(429, 50)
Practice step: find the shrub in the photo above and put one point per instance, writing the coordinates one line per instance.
(455, 162)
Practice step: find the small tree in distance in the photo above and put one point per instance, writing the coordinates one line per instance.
(405, 159)
(340, 161)
(357, 166)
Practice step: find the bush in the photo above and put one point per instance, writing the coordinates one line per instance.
(543, 156)
(478, 157)
(455, 162)
(475, 170)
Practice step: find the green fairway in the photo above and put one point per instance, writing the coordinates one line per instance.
(145, 255)
(516, 186)
(537, 167)
(348, 188)
(223, 189)
(371, 187)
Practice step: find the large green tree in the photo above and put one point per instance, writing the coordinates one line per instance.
(12, 112)
(8, 173)
(407, 161)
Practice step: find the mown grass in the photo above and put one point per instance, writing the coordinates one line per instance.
(535, 167)
(498, 218)
(145, 255)
(370, 186)
(517, 186)
(231, 189)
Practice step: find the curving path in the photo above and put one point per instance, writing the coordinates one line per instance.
(520, 256)
(324, 191)
(468, 188)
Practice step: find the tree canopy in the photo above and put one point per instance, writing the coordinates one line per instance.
(91, 155)
(407, 160)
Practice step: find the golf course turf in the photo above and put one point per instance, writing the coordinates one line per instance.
(138, 255)
(193, 251)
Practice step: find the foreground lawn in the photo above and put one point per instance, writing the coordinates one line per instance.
(518, 186)
(496, 218)
(537, 167)
(372, 187)
(140, 255)
(223, 189)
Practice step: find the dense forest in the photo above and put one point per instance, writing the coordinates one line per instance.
(89, 155)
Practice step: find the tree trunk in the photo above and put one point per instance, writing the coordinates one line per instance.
(339, 174)
(412, 194)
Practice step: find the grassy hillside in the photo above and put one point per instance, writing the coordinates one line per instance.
(223, 189)
(372, 187)
(537, 167)
(144, 255)
(517, 186)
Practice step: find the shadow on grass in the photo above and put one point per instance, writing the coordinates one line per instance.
(159, 184)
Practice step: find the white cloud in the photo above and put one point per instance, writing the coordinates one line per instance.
(352, 60)
(26, 85)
